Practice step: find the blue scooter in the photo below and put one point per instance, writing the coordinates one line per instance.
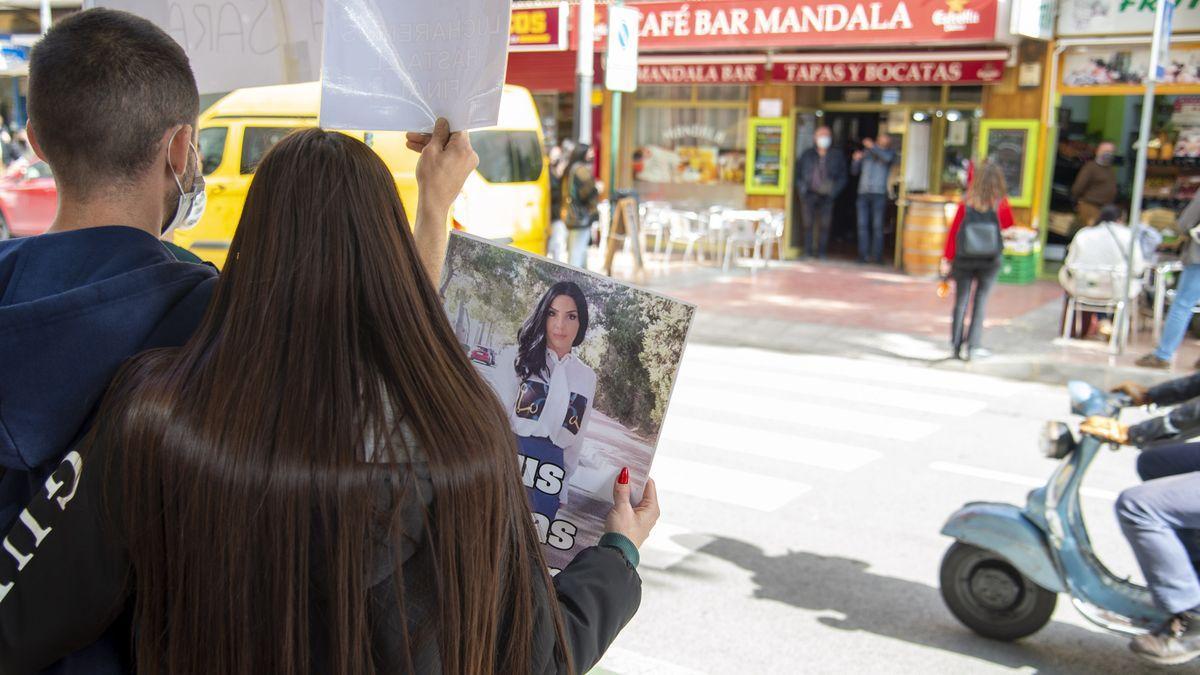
(1002, 576)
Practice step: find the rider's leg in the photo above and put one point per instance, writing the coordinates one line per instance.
(1150, 514)
(1174, 460)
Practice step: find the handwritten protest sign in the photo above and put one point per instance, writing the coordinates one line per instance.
(239, 43)
(399, 65)
(584, 367)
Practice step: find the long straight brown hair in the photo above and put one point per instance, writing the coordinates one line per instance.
(988, 187)
(257, 452)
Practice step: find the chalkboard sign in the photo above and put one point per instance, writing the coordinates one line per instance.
(625, 225)
(768, 153)
(1012, 144)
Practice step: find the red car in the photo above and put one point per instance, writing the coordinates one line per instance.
(483, 355)
(28, 199)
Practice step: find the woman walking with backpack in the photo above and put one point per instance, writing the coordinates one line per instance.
(972, 256)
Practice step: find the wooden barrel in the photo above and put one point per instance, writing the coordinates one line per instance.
(925, 224)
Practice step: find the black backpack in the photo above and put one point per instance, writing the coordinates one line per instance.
(979, 236)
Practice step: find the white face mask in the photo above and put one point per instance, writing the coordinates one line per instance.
(823, 142)
(191, 202)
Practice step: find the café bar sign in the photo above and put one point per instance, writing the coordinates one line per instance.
(739, 24)
(539, 28)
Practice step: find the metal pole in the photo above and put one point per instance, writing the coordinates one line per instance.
(584, 71)
(45, 16)
(1139, 171)
(614, 152)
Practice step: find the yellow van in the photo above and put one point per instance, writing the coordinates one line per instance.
(507, 198)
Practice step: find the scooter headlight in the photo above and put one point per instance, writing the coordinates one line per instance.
(1057, 441)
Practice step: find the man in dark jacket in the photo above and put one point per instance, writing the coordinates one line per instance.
(112, 108)
(1160, 517)
(821, 175)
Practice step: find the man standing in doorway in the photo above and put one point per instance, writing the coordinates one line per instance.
(1095, 186)
(820, 178)
(872, 165)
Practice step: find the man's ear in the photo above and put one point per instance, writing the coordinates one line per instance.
(179, 140)
(31, 136)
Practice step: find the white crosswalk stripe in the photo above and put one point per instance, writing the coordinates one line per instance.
(669, 544)
(625, 662)
(842, 369)
(718, 483)
(722, 402)
(774, 382)
(752, 441)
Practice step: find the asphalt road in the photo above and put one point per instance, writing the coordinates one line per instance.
(802, 501)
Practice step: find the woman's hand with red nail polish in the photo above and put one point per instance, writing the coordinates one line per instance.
(635, 522)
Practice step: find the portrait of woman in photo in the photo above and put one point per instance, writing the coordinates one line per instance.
(549, 393)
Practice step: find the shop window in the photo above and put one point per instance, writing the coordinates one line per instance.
(722, 92)
(885, 95)
(966, 94)
(694, 146)
(664, 92)
(962, 132)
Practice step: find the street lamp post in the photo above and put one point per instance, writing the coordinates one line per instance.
(585, 71)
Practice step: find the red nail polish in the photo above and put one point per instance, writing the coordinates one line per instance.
(623, 479)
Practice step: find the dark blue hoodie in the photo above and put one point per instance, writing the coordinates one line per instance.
(73, 307)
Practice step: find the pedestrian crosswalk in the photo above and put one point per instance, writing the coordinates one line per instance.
(813, 413)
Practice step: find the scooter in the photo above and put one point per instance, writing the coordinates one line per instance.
(1002, 575)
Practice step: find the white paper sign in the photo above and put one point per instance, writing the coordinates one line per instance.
(400, 64)
(239, 43)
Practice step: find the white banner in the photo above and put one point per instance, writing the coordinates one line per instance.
(242, 43)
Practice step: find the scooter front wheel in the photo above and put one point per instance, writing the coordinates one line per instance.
(989, 595)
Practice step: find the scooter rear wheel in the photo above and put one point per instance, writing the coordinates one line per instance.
(988, 595)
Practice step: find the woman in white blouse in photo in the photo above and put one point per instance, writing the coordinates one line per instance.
(549, 393)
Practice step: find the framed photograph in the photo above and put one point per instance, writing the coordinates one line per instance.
(1013, 144)
(583, 365)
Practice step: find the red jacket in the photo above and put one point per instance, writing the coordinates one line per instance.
(1003, 212)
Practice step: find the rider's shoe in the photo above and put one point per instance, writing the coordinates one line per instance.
(1176, 641)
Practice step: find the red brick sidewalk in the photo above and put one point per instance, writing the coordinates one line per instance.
(852, 296)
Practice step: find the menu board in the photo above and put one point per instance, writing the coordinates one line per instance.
(1012, 144)
(767, 161)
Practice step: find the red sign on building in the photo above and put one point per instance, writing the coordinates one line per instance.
(892, 73)
(702, 73)
(538, 29)
(741, 24)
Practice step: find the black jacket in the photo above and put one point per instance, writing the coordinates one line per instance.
(836, 171)
(1185, 418)
(74, 579)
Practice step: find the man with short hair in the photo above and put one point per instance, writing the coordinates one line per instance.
(821, 176)
(1095, 185)
(873, 166)
(113, 109)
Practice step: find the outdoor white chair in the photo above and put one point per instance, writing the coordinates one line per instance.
(743, 235)
(770, 233)
(687, 228)
(655, 221)
(1100, 289)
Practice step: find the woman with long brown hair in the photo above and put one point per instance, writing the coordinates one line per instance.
(974, 247)
(318, 481)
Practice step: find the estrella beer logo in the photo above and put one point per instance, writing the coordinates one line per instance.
(956, 17)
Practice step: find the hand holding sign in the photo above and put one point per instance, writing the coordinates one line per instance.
(635, 522)
(446, 161)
